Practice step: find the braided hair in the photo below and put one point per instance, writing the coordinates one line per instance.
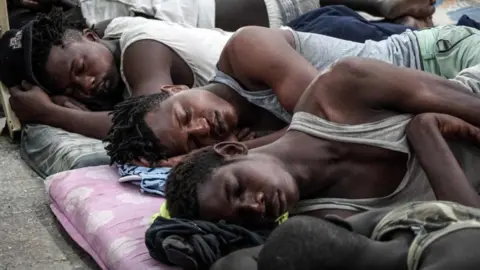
(52, 29)
(182, 183)
(130, 138)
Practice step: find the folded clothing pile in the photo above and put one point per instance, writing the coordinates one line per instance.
(195, 245)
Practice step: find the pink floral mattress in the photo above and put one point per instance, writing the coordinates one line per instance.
(106, 218)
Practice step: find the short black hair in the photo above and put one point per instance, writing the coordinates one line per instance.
(52, 29)
(309, 243)
(130, 138)
(182, 183)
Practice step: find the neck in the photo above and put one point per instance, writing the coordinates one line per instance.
(244, 109)
(390, 255)
(308, 162)
(114, 47)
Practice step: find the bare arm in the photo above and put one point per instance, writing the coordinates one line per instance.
(426, 134)
(369, 6)
(32, 105)
(91, 124)
(262, 58)
(147, 65)
(379, 85)
(390, 9)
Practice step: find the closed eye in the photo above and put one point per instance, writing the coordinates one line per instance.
(81, 67)
(236, 189)
(232, 190)
(187, 116)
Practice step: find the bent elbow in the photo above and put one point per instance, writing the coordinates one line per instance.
(420, 123)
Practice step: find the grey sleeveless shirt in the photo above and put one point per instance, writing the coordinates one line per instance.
(322, 51)
(389, 134)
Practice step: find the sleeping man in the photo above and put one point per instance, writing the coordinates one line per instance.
(346, 150)
(136, 56)
(263, 72)
(412, 236)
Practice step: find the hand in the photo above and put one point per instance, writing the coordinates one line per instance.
(169, 162)
(43, 5)
(69, 102)
(30, 103)
(244, 135)
(452, 127)
(449, 126)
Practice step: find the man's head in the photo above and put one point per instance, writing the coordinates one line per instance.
(170, 123)
(226, 183)
(51, 52)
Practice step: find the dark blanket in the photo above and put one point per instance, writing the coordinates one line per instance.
(344, 23)
(196, 245)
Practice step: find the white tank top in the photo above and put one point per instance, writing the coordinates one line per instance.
(199, 48)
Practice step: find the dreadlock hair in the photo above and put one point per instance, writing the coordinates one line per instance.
(182, 183)
(52, 29)
(130, 138)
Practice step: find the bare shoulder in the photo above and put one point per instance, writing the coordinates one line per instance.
(254, 37)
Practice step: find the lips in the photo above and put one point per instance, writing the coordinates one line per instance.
(276, 206)
(103, 86)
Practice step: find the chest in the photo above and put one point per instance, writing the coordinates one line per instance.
(362, 171)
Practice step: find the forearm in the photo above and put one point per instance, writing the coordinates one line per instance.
(445, 175)
(147, 65)
(261, 141)
(369, 6)
(381, 85)
(90, 124)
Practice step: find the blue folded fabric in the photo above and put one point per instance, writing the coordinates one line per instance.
(150, 180)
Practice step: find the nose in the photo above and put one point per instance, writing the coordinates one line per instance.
(199, 127)
(252, 202)
(86, 82)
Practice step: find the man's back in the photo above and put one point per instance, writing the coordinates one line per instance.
(198, 48)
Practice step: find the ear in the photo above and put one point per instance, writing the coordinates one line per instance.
(90, 35)
(338, 221)
(230, 149)
(173, 89)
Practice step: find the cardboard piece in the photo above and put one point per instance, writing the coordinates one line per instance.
(13, 123)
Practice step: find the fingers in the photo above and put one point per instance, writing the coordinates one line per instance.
(169, 162)
(14, 90)
(250, 136)
(71, 105)
(26, 85)
(78, 105)
(243, 133)
(232, 137)
(425, 12)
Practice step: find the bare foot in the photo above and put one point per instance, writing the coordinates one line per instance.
(392, 9)
(414, 22)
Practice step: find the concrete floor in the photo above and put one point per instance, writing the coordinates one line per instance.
(30, 236)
